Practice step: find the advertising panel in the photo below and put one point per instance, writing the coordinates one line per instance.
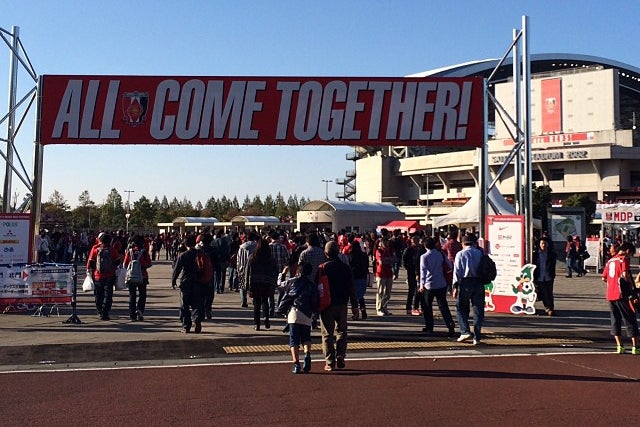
(262, 110)
(36, 284)
(15, 238)
(512, 291)
(551, 105)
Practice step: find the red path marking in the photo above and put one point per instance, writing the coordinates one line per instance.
(549, 389)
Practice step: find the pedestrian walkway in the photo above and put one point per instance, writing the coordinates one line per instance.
(582, 321)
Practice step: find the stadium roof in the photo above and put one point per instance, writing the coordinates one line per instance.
(540, 63)
(345, 205)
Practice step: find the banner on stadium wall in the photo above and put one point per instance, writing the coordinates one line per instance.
(262, 110)
(512, 291)
(36, 284)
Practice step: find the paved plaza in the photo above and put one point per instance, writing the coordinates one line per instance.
(582, 324)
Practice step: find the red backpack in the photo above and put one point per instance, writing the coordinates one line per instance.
(204, 268)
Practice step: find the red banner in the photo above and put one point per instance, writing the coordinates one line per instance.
(262, 110)
(551, 105)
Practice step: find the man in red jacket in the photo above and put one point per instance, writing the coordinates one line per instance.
(101, 265)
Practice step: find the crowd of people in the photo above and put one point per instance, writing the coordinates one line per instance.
(278, 272)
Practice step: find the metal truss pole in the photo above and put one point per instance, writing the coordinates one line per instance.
(517, 115)
(38, 154)
(483, 165)
(13, 88)
(528, 203)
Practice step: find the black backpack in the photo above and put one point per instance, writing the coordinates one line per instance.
(487, 271)
(104, 263)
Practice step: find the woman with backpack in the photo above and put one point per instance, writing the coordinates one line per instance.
(136, 262)
(261, 279)
(299, 302)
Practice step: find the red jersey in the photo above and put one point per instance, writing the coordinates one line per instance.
(93, 257)
(611, 273)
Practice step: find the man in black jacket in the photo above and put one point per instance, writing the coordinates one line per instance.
(544, 275)
(192, 293)
(333, 320)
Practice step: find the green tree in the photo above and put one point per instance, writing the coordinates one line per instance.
(246, 204)
(55, 211)
(257, 207)
(582, 200)
(541, 201)
(269, 206)
(57, 200)
(112, 212)
(143, 216)
(281, 207)
(82, 215)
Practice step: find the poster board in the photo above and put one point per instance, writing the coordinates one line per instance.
(595, 252)
(512, 291)
(15, 238)
(36, 284)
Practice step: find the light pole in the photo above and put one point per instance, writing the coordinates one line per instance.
(128, 214)
(326, 188)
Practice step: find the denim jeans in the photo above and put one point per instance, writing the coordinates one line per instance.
(219, 277)
(137, 303)
(232, 274)
(470, 290)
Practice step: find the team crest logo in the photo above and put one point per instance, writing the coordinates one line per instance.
(550, 104)
(134, 107)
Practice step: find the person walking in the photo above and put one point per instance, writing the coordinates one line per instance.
(232, 270)
(192, 293)
(314, 255)
(101, 265)
(411, 262)
(299, 301)
(359, 264)
(137, 290)
(434, 285)
(544, 258)
(261, 279)
(333, 320)
(385, 259)
(617, 276)
(242, 260)
(204, 243)
(467, 287)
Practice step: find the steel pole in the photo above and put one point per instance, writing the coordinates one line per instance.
(13, 88)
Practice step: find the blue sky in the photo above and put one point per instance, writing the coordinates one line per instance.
(268, 38)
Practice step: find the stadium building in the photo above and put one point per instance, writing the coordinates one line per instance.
(584, 140)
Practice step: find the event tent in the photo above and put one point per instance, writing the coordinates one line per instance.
(467, 215)
(406, 226)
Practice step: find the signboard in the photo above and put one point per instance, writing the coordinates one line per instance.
(561, 139)
(563, 226)
(594, 249)
(547, 156)
(551, 105)
(262, 110)
(618, 213)
(15, 238)
(512, 291)
(36, 284)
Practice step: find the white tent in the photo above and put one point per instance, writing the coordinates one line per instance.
(468, 213)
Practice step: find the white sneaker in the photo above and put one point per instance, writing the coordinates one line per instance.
(476, 342)
(381, 313)
(463, 337)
